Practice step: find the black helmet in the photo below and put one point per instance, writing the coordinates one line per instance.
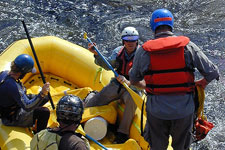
(69, 109)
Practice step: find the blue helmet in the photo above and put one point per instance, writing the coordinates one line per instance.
(24, 62)
(161, 17)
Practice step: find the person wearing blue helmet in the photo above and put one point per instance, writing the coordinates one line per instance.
(164, 67)
(25, 63)
(121, 59)
(161, 17)
(16, 107)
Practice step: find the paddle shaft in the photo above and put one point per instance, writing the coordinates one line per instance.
(103, 58)
(87, 136)
(37, 62)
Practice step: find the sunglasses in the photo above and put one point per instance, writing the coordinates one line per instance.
(129, 40)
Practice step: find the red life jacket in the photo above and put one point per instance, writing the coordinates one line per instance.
(202, 127)
(168, 73)
(124, 65)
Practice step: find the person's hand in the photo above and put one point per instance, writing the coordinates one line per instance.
(122, 80)
(91, 48)
(45, 89)
(202, 83)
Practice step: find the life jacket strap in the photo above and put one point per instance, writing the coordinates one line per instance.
(170, 85)
(151, 72)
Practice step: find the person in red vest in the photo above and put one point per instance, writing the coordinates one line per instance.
(165, 67)
(121, 59)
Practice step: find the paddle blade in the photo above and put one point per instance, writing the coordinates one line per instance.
(136, 98)
(81, 131)
(85, 35)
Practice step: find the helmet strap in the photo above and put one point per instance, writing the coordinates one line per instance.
(22, 75)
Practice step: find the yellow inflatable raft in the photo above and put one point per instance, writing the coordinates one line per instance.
(70, 69)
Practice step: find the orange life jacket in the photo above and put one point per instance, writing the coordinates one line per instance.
(124, 65)
(168, 73)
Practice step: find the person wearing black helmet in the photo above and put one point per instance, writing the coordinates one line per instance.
(164, 67)
(121, 59)
(69, 112)
(16, 107)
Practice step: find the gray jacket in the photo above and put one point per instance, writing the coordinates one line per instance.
(171, 107)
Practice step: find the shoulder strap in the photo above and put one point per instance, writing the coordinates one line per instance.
(4, 75)
(120, 51)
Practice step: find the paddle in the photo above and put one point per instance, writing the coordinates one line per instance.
(89, 137)
(37, 62)
(137, 99)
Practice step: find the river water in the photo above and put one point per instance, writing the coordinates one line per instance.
(201, 20)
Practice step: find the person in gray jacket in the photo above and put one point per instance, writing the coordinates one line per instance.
(121, 59)
(165, 67)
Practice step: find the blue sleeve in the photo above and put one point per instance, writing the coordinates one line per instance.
(19, 95)
(111, 59)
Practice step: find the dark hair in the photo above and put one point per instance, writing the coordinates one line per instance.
(163, 27)
(14, 68)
